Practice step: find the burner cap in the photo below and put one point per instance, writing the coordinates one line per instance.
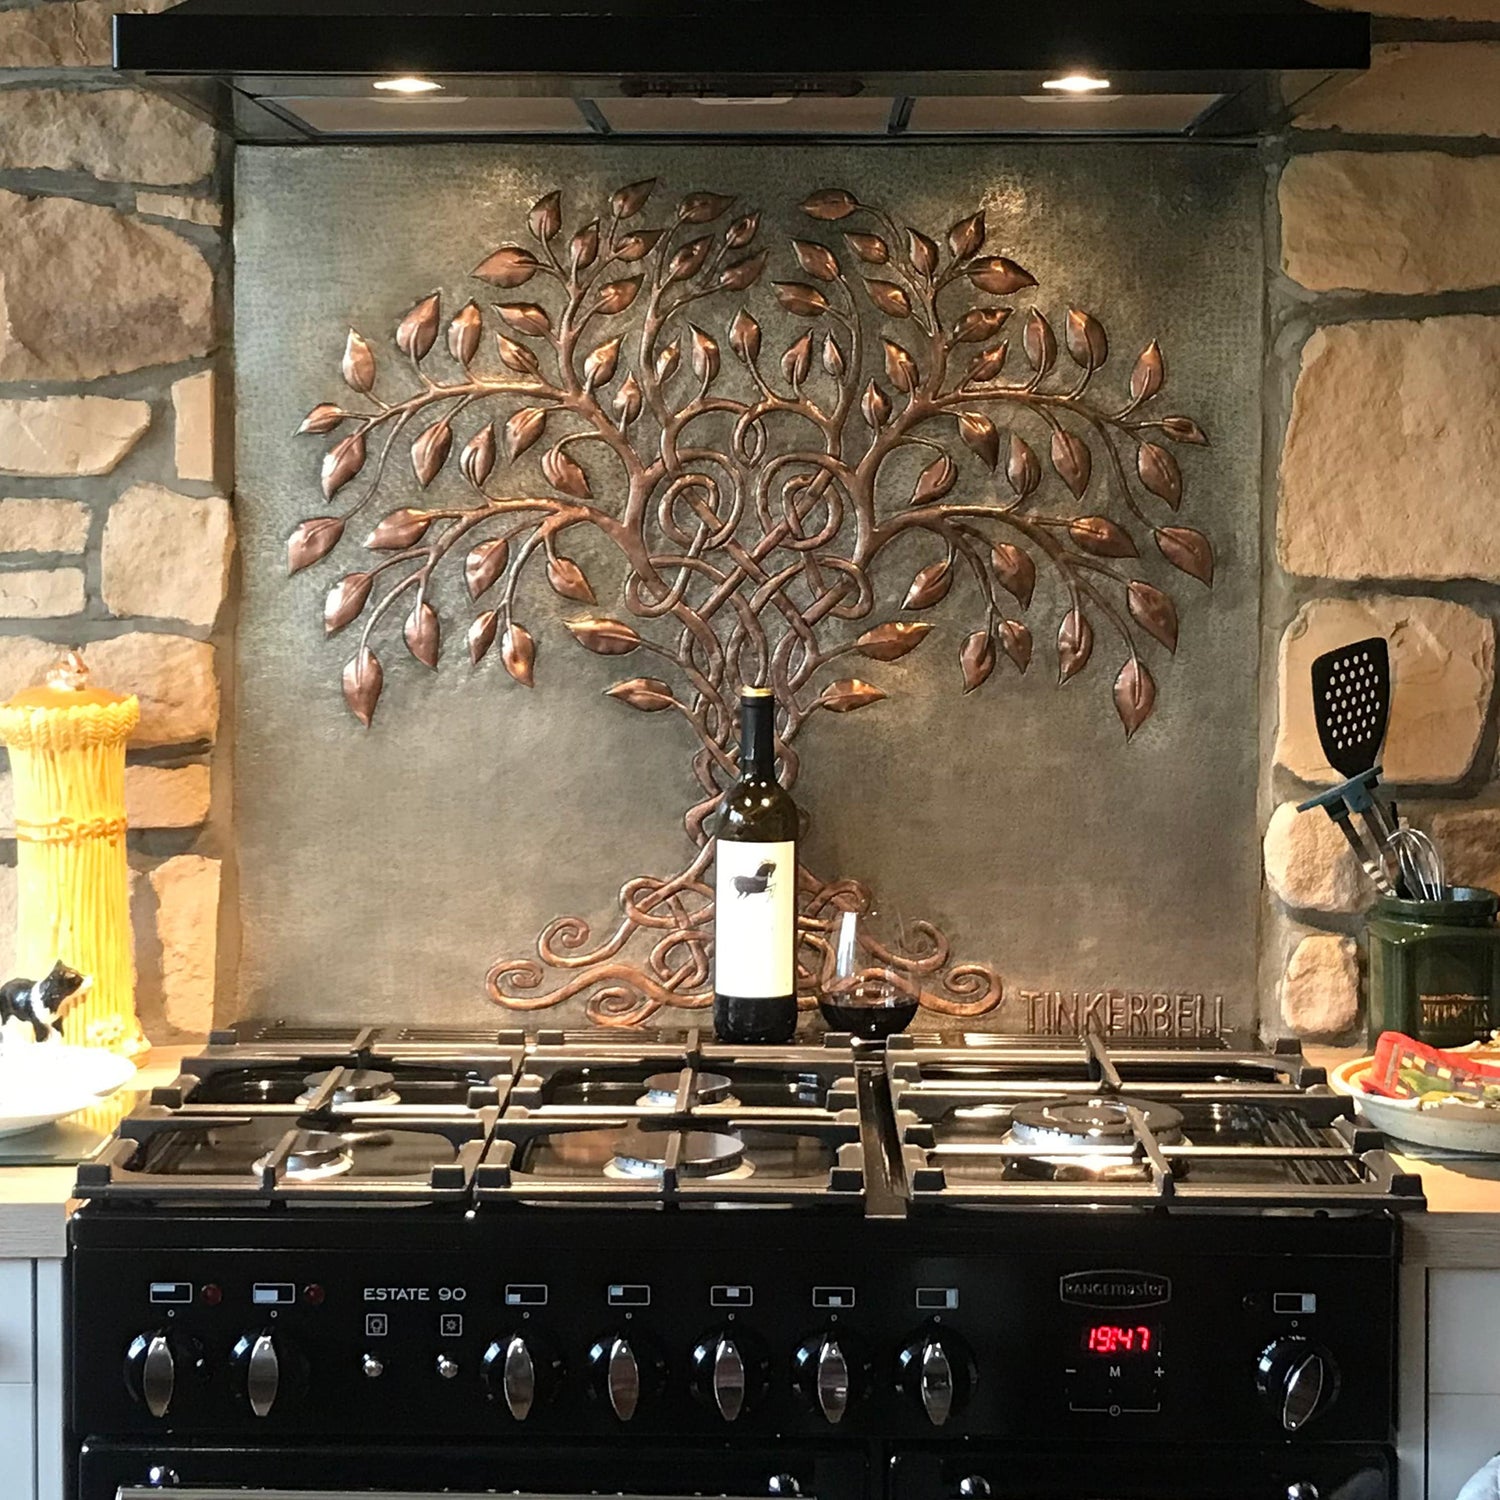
(1088, 1124)
(643, 1153)
(708, 1088)
(315, 1154)
(355, 1086)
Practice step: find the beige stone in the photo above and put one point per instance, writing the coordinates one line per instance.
(1442, 669)
(1309, 864)
(24, 661)
(187, 919)
(1368, 221)
(1426, 10)
(69, 435)
(1391, 467)
(1417, 88)
(41, 593)
(171, 675)
(119, 135)
(166, 555)
(193, 411)
(1320, 990)
(166, 796)
(86, 291)
(64, 33)
(176, 206)
(1469, 840)
(43, 525)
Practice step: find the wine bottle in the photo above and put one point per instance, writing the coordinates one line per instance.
(755, 890)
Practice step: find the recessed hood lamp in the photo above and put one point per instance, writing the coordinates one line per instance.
(1076, 83)
(407, 84)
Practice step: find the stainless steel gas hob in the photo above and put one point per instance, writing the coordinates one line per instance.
(411, 1263)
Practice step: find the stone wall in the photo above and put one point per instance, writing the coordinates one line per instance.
(1383, 383)
(114, 527)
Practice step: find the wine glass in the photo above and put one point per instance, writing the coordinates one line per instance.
(866, 991)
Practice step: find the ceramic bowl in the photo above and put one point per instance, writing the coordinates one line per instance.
(1458, 1126)
(41, 1083)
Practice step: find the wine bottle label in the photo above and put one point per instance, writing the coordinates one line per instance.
(755, 920)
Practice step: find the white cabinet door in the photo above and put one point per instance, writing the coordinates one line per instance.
(17, 1443)
(1463, 1434)
(1463, 1339)
(16, 1321)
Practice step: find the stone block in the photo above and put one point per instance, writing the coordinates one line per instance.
(1442, 670)
(166, 796)
(193, 411)
(1469, 841)
(1417, 88)
(86, 291)
(1320, 989)
(171, 675)
(43, 525)
(1391, 466)
(69, 435)
(41, 593)
(175, 206)
(24, 661)
(1309, 864)
(1391, 221)
(187, 922)
(64, 33)
(166, 555)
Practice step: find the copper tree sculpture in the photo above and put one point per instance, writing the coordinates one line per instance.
(749, 499)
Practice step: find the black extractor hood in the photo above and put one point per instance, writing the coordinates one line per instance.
(338, 70)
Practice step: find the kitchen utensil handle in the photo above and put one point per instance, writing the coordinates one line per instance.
(1373, 869)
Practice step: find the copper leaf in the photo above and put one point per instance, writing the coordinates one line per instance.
(464, 331)
(980, 435)
(616, 296)
(797, 360)
(1159, 473)
(1154, 611)
(1075, 644)
(484, 564)
(363, 680)
(922, 252)
(1023, 469)
(416, 333)
(743, 273)
(667, 362)
(516, 356)
(800, 298)
(1102, 537)
(988, 363)
(1183, 430)
(525, 317)
(889, 298)
(891, 641)
(1087, 344)
(312, 541)
(688, 261)
(817, 260)
(429, 452)
(637, 246)
(830, 203)
(583, 248)
(604, 636)
(875, 406)
(1040, 342)
(1135, 695)
(930, 585)
(545, 218)
(564, 473)
(629, 200)
(422, 633)
(628, 401)
(967, 236)
(568, 580)
(935, 480)
(358, 364)
(979, 324)
(977, 657)
(1015, 571)
(510, 266)
(648, 694)
(742, 231)
(345, 600)
(1188, 550)
(744, 337)
(599, 367)
(518, 652)
(399, 529)
(1072, 460)
(1015, 637)
(482, 634)
(322, 418)
(833, 357)
(870, 248)
(849, 693)
(900, 367)
(705, 356)
(341, 463)
(703, 208)
(478, 457)
(1149, 373)
(1000, 277)
(523, 428)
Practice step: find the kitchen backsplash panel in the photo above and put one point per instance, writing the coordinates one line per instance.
(384, 872)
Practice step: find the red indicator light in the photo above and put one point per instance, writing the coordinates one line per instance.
(313, 1295)
(211, 1295)
(1119, 1338)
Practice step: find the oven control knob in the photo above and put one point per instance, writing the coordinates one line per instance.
(831, 1372)
(1298, 1380)
(266, 1369)
(936, 1369)
(523, 1372)
(155, 1364)
(730, 1371)
(626, 1368)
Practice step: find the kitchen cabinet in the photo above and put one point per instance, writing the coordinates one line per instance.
(31, 1407)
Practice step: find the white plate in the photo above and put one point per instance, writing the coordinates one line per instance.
(42, 1082)
(1445, 1127)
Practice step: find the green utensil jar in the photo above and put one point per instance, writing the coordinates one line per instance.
(1435, 967)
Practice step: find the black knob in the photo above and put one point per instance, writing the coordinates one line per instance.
(626, 1368)
(731, 1370)
(831, 1372)
(936, 1369)
(1298, 1380)
(156, 1366)
(268, 1370)
(523, 1371)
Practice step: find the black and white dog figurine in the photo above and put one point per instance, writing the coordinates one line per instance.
(41, 1004)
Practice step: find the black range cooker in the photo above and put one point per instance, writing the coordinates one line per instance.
(413, 1263)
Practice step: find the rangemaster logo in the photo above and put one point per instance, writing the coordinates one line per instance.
(1114, 1289)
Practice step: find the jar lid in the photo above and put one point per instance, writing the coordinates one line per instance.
(66, 686)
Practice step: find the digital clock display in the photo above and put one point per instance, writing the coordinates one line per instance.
(1115, 1339)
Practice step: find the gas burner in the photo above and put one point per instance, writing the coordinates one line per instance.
(315, 1156)
(361, 1086)
(708, 1088)
(642, 1155)
(1088, 1124)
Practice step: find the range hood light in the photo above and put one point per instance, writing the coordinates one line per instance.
(407, 85)
(1076, 83)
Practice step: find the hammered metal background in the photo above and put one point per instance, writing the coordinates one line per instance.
(382, 872)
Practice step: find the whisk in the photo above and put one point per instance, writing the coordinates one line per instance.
(1417, 864)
